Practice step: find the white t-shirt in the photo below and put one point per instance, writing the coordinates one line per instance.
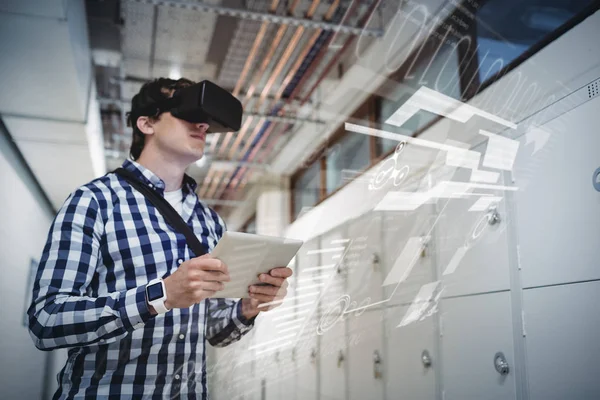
(175, 198)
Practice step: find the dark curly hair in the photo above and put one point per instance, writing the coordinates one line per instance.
(150, 92)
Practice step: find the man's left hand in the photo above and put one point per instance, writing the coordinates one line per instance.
(269, 295)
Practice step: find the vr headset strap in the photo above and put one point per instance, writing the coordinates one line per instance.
(164, 207)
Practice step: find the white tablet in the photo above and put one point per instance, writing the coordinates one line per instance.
(248, 255)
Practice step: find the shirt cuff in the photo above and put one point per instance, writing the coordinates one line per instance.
(238, 316)
(134, 309)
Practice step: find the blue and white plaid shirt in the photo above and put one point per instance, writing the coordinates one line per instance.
(105, 244)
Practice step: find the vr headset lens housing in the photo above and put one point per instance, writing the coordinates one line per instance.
(201, 102)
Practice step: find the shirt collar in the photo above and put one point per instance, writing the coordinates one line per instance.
(150, 178)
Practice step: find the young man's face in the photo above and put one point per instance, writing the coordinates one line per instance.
(183, 139)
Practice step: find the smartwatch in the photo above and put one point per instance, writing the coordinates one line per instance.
(156, 294)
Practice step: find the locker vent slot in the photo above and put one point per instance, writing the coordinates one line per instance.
(594, 89)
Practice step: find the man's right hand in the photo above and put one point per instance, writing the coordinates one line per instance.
(194, 281)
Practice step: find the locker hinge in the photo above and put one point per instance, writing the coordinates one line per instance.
(519, 257)
(523, 323)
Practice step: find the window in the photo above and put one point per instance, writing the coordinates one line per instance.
(307, 188)
(346, 159)
(437, 70)
(508, 29)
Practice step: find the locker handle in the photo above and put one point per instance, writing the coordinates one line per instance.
(377, 374)
(340, 359)
(313, 356)
(426, 359)
(375, 261)
(493, 216)
(501, 364)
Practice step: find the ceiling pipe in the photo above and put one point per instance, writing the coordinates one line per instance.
(363, 21)
(206, 183)
(229, 135)
(255, 46)
(249, 61)
(338, 55)
(261, 130)
(274, 75)
(256, 145)
(265, 17)
(315, 63)
(257, 77)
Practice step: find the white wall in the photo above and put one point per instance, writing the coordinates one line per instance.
(24, 223)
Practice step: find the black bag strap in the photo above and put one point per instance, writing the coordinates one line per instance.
(168, 212)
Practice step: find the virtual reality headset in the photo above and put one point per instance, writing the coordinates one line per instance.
(197, 103)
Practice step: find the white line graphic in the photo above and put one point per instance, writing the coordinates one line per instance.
(456, 259)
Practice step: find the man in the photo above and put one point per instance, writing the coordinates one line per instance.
(104, 247)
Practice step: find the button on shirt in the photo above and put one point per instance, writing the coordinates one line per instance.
(105, 244)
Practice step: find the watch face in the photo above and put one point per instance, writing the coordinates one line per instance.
(155, 291)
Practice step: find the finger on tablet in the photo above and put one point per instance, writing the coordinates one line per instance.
(281, 272)
(213, 264)
(266, 278)
(215, 276)
(266, 290)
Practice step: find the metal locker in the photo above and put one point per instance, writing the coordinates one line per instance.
(557, 205)
(306, 359)
(407, 259)
(362, 261)
(471, 235)
(282, 377)
(363, 315)
(366, 354)
(244, 380)
(306, 349)
(561, 338)
(331, 326)
(273, 379)
(477, 351)
(253, 382)
(411, 362)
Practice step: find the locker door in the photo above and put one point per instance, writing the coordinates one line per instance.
(407, 254)
(558, 208)
(363, 268)
(252, 382)
(307, 277)
(332, 328)
(286, 374)
(562, 325)
(362, 260)
(474, 330)
(243, 377)
(472, 247)
(411, 361)
(273, 377)
(280, 375)
(306, 358)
